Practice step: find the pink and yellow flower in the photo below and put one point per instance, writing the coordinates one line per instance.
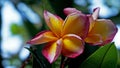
(101, 31)
(64, 37)
(67, 37)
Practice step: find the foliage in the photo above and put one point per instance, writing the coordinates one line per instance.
(104, 57)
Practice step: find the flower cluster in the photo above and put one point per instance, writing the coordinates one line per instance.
(68, 37)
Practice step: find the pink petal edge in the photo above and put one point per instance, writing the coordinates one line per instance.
(71, 10)
(96, 13)
(49, 57)
(40, 35)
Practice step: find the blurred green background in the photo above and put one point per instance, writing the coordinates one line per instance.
(20, 20)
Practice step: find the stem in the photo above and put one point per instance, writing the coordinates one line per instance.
(63, 61)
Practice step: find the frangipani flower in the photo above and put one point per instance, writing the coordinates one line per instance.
(101, 31)
(64, 37)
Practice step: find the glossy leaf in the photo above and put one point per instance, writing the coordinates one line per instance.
(104, 57)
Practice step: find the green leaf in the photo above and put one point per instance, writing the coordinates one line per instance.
(105, 57)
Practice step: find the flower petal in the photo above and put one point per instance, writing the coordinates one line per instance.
(93, 17)
(77, 24)
(95, 13)
(71, 10)
(54, 22)
(52, 50)
(105, 28)
(94, 39)
(91, 22)
(43, 37)
(73, 46)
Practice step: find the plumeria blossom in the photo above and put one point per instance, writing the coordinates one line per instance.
(64, 37)
(101, 31)
(67, 37)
